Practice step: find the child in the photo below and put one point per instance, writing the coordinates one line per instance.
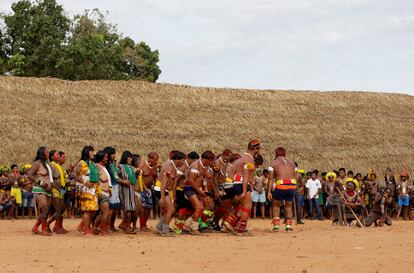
(259, 194)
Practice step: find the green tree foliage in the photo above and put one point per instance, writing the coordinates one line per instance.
(37, 32)
(18, 63)
(139, 61)
(39, 40)
(93, 51)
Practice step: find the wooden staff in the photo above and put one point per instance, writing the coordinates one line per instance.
(352, 211)
(36, 213)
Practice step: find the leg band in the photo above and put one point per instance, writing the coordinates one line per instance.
(276, 221)
(241, 226)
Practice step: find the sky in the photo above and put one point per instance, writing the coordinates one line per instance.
(365, 45)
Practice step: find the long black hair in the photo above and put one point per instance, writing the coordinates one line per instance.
(85, 152)
(40, 155)
(110, 150)
(136, 158)
(124, 157)
(99, 156)
(51, 154)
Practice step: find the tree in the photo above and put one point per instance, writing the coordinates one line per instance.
(93, 51)
(17, 63)
(3, 53)
(39, 40)
(139, 61)
(36, 31)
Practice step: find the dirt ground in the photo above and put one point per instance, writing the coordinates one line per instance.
(313, 247)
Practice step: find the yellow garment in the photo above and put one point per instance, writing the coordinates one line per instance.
(84, 168)
(61, 173)
(330, 174)
(141, 183)
(56, 194)
(17, 194)
(228, 179)
(89, 198)
(286, 182)
(158, 183)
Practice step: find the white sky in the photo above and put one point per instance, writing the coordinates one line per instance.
(284, 44)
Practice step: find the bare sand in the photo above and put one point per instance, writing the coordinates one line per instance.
(313, 247)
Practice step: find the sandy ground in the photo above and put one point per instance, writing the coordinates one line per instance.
(313, 247)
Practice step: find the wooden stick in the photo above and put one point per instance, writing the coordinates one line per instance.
(36, 213)
(359, 221)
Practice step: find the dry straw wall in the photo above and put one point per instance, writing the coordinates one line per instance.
(321, 130)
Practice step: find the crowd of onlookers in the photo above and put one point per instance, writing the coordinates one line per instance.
(314, 193)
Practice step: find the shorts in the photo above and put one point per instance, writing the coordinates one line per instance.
(301, 200)
(114, 201)
(182, 201)
(284, 195)
(189, 192)
(157, 194)
(146, 199)
(239, 188)
(229, 193)
(28, 199)
(259, 197)
(155, 199)
(403, 201)
(6, 206)
(102, 199)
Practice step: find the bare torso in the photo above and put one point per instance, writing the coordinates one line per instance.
(149, 174)
(103, 178)
(25, 183)
(283, 169)
(197, 177)
(221, 167)
(168, 174)
(239, 165)
(38, 173)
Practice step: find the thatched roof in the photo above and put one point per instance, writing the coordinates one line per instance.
(321, 130)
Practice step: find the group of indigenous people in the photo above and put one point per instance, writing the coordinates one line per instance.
(347, 198)
(195, 193)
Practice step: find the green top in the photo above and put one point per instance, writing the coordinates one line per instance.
(93, 172)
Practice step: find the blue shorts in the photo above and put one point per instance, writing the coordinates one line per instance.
(258, 197)
(404, 201)
(6, 206)
(114, 201)
(284, 195)
(189, 192)
(146, 200)
(302, 200)
(238, 188)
